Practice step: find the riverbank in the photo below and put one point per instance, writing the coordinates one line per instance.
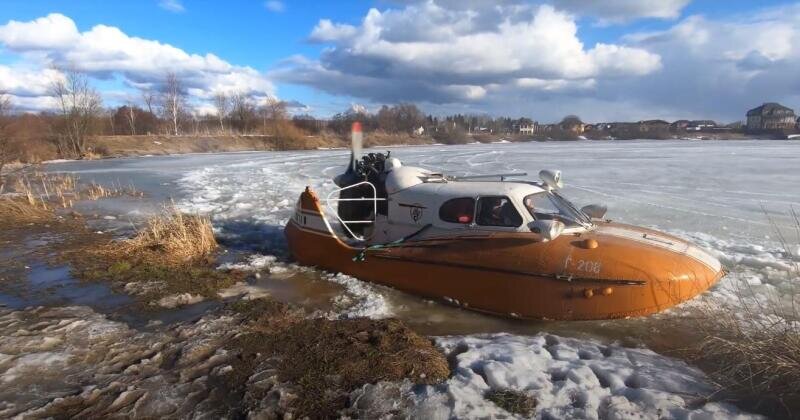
(124, 146)
(81, 316)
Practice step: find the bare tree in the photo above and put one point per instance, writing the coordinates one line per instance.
(273, 112)
(5, 138)
(173, 101)
(79, 104)
(131, 118)
(149, 98)
(242, 111)
(222, 104)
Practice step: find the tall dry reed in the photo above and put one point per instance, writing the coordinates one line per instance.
(174, 237)
(751, 346)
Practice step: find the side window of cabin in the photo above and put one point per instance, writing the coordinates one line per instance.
(458, 210)
(497, 211)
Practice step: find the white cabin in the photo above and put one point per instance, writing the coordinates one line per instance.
(427, 204)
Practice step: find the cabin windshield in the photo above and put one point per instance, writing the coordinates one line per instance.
(551, 206)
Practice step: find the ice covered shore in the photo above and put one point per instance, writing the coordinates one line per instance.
(71, 361)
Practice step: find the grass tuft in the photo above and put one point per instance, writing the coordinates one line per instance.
(15, 211)
(173, 237)
(751, 348)
(516, 402)
(324, 360)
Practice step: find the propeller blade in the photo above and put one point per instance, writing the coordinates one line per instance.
(357, 141)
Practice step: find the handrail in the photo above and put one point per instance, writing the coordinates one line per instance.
(328, 200)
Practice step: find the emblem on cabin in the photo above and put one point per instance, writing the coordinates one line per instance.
(414, 210)
(416, 213)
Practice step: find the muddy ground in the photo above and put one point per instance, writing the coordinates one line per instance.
(239, 358)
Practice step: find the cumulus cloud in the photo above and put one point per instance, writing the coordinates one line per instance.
(426, 52)
(606, 11)
(723, 67)
(174, 6)
(618, 11)
(514, 59)
(105, 52)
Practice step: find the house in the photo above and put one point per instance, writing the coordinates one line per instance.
(419, 130)
(771, 116)
(701, 125)
(653, 125)
(527, 129)
(679, 125)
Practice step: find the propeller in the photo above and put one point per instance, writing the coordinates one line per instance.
(350, 176)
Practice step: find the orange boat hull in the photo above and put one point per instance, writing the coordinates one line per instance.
(614, 271)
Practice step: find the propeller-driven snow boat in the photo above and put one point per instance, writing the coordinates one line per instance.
(492, 243)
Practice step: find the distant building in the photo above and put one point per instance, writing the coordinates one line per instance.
(653, 125)
(701, 125)
(771, 116)
(419, 130)
(679, 125)
(527, 129)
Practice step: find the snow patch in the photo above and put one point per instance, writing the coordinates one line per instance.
(180, 299)
(360, 299)
(567, 377)
(244, 291)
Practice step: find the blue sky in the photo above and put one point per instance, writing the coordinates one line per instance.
(547, 62)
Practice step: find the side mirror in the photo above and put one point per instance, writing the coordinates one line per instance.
(551, 178)
(547, 229)
(594, 211)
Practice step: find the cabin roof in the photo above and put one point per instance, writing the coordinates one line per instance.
(475, 188)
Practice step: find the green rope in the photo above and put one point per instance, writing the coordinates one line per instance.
(362, 256)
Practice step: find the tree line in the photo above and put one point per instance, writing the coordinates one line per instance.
(164, 109)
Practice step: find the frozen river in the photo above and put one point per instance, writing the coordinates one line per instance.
(733, 198)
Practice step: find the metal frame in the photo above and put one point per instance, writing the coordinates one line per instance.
(328, 200)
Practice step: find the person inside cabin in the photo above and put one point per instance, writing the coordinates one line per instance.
(498, 211)
(529, 204)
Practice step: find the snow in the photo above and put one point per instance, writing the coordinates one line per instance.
(728, 197)
(733, 199)
(180, 299)
(567, 378)
(359, 300)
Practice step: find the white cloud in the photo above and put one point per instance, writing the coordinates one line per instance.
(618, 11)
(49, 32)
(105, 51)
(275, 6)
(174, 6)
(26, 82)
(427, 52)
(327, 31)
(605, 11)
(721, 68)
(512, 59)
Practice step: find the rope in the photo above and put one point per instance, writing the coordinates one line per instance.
(362, 256)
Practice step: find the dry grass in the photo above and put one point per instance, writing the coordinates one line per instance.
(172, 254)
(516, 402)
(61, 190)
(16, 211)
(751, 348)
(323, 361)
(173, 237)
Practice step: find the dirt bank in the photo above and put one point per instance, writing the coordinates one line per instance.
(117, 146)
